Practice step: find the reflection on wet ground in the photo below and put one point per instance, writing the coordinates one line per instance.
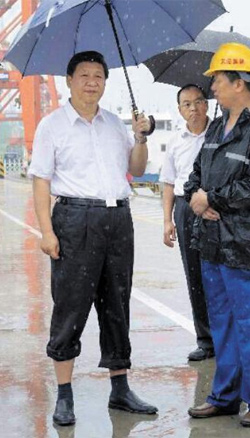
(160, 371)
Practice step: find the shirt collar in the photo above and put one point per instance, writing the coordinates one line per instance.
(185, 132)
(73, 114)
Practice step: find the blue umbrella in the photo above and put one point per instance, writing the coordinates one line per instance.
(138, 28)
(60, 28)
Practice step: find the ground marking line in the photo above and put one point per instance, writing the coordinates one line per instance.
(152, 221)
(22, 224)
(164, 310)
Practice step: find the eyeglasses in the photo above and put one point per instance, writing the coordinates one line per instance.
(197, 103)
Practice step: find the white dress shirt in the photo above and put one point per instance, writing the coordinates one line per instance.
(82, 159)
(181, 151)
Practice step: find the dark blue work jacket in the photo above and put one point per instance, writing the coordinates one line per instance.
(222, 170)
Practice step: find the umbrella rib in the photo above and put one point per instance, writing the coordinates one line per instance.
(216, 4)
(33, 48)
(39, 36)
(178, 24)
(84, 11)
(173, 62)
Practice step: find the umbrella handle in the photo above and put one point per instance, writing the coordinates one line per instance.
(152, 126)
(151, 120)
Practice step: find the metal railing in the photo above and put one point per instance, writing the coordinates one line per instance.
(14, 166)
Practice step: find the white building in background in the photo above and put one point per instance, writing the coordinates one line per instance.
(157, 141)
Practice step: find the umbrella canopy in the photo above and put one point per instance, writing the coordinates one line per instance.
(187, 63)
(61, 28)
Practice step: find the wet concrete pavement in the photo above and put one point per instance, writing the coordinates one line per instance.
(161, 337)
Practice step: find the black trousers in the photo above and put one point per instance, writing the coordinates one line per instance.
(184, 217)
(95, 266)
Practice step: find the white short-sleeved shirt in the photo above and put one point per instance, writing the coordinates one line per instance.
(181, 151)
(82, 159)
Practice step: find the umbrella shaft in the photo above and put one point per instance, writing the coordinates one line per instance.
(111, 18)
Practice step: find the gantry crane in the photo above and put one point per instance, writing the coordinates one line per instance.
(35, 95)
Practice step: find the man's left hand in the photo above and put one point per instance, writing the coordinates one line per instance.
(199, 202)
(211, 214)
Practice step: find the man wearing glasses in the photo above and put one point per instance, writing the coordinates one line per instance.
(181, 152)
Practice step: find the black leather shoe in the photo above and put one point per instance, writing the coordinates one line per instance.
(131, 403)
(201, 354)
(64, 412)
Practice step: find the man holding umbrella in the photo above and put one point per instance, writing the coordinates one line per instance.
(81, 155)
(181, 152)
(219, 193)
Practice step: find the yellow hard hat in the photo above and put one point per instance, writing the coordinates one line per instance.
(230, 57)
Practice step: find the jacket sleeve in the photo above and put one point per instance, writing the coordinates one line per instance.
(232, 196)
(194, 181)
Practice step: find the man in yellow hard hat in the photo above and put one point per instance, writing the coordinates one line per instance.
(219, 193)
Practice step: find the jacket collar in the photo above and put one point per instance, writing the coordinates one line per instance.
(245, 115)
(236, 132)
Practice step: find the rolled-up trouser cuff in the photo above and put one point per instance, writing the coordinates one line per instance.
(115, 364)
(60, 356)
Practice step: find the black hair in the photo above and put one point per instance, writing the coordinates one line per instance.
(233, 76)
(187, 87)
(89, 56)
